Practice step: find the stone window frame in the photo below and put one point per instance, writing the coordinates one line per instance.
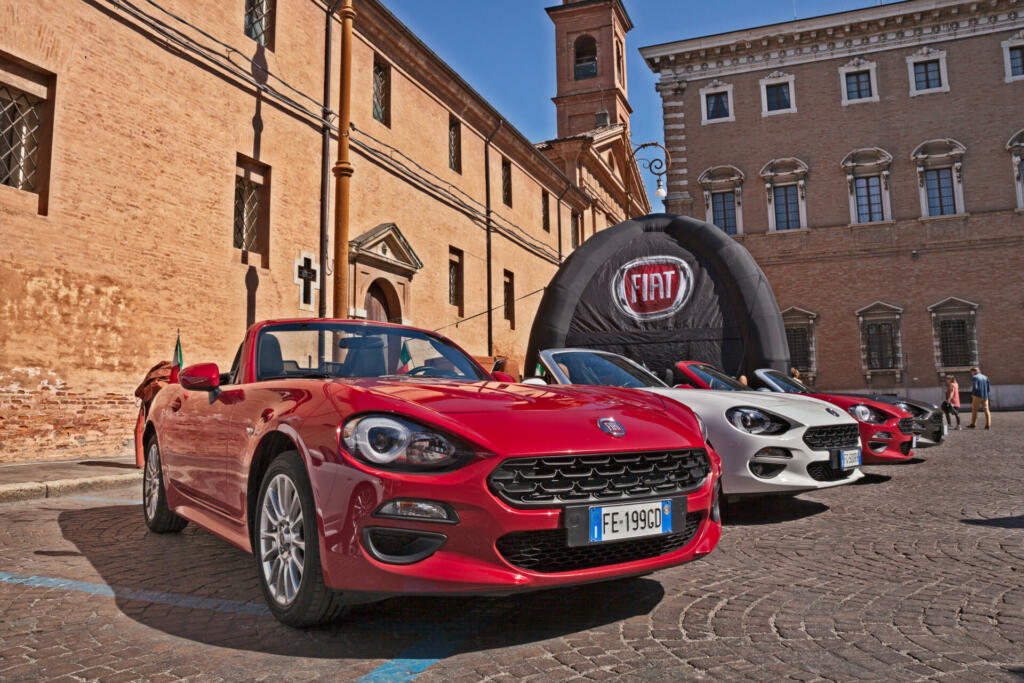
(794, 316)
(723, 178)
(1015, 146)
(881, 312)
(1016, 40)
(867, 162)
(778, 78)
(927, 54)
(785, 171)
(716, 87)
(20, 78)
(857, 65)
(954, 308)
(380, 103)
(254, 176)
(454, 143)
(935, 154)
(457, 280)
(508, 295)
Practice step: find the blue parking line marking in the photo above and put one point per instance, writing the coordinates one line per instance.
(109, 500)
(427, 652)
(189, 601)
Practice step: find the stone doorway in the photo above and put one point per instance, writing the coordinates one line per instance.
(379, 306)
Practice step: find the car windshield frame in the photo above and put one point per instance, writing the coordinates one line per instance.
(730, 383)
(644, 378)
(788, 384)
(461, 366)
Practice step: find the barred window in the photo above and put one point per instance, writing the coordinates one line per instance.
(454, 144)
(799, 340)
(787, 207)
(252, 194)
(259, 21)
(723, 206)
(20, 133)
(381, 91)
(455, 278)
(858, 85)
(869, 199)
(585, 65)
(939, 185)
(506, 182)
(880, 341)
(545, 210)
(955, 336)
(510, 298)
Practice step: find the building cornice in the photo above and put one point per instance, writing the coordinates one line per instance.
(843, 35)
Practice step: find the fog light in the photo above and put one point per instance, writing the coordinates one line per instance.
(877, 446)
(417, 509)
(881, 435)
(772, 452)
(766, 470)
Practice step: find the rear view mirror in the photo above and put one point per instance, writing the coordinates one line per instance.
(200, 377)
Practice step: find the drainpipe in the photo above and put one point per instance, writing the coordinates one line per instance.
(325, 169)
(343, 167)
(558, 209)
(487, 200)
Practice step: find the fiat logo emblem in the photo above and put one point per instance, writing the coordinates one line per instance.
(652, 287)
(611, 426)
(833, 413)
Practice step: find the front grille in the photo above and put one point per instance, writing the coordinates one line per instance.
(543, 482)
(832, 436)
(823, 471)
(906, 425)
(905, 448)
(547, 551)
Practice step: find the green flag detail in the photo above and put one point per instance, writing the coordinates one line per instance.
(405, 358)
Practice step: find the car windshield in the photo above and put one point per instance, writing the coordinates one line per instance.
(605, 370)
(716, 379)
(335, 349)
(786, 383)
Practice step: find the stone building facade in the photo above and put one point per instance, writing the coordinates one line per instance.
(871, 161)
(161, 170)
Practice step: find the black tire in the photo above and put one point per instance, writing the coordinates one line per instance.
(158, 516)
(313, 602)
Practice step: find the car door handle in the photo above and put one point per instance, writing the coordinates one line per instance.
(176, 405)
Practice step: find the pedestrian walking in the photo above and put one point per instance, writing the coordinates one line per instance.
(980, 390)
(951, 406)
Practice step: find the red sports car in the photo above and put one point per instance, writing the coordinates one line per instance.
(360, 460)
(887, 433)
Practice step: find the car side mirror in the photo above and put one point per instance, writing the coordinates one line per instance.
(535, 381)
(683, 386)
(500, 376)
(200, 377)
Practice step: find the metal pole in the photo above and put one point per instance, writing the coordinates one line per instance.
(487, 200)
(325, 167)
(343, 168)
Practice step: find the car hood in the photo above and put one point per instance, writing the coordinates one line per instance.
(803, 409)
(524, 419)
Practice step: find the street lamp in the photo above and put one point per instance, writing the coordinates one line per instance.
(657, 166)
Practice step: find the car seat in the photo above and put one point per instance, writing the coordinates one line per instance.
(269, 363)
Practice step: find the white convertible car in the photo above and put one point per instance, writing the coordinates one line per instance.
(769, 443)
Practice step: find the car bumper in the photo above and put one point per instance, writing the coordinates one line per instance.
(469, 560)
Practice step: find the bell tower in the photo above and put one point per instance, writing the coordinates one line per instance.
(590, 55)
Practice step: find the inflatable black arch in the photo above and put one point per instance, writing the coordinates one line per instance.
(710, 303)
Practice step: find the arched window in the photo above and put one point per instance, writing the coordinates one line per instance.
(940, 176)
(1015, 146)
(787, 193)
(618, 63)
(585, 51)
(867, 174)
(723, 198)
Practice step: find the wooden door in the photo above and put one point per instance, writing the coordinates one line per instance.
(377, 304)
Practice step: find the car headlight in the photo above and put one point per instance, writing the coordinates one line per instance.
(867, 414)
(913, 410)
(755, 421)
(703, 427)
(393, 443)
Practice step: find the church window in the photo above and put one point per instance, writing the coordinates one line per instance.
(259, 21)
(252, 195)
(506, 182)
(455, 279)
(454, 144)
(585, 50)
(509, 287)
(381, 91)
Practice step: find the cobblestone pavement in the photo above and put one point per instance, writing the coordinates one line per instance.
(917, 572)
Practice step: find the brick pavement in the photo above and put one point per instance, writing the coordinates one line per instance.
(916, 573)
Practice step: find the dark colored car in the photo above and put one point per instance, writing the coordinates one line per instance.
(928, 422)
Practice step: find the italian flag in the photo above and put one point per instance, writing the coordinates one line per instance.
(405, 358)
(176, 363)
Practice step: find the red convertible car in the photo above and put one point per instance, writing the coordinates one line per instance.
(887, 434)
(361, 460)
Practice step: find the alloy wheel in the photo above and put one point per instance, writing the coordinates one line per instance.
(151, 482)
(282, 546)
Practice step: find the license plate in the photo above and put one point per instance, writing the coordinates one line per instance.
(849, 458)
(617, 522)
(913, 441)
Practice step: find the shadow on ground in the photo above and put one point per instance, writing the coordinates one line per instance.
(200, 566)
(872, 478)
(769, 510)
(116, 465)
(1016, 522)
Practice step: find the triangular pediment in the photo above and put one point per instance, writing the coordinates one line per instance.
(385, 244)
(953, 303)
(879, 308)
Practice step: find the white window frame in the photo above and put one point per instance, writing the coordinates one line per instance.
(927, 54)
(723, 179)
(863, 163)
(953, 307)
(881, 312)
(854, 66)
(713, 88)
(936, 154)
(1016, 40)
(794, 316)
(1015, 146)
(778, 78)
(781, 172)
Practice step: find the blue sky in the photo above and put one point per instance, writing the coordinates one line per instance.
(505, 50)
